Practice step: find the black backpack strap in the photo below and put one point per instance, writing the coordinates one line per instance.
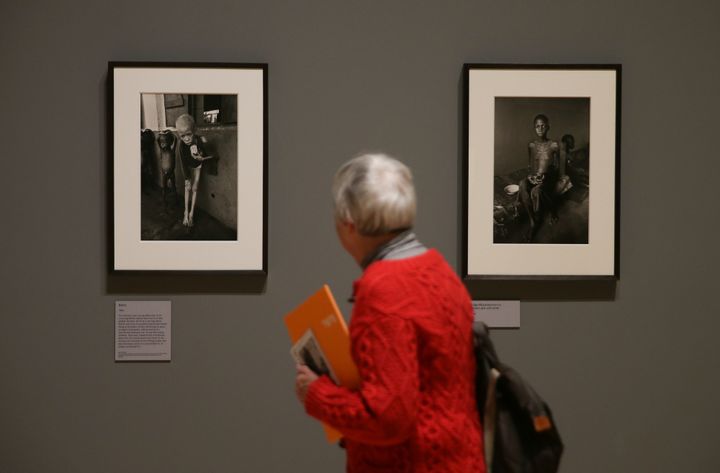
(486, 360)
(484, 348)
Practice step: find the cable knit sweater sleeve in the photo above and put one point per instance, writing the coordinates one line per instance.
(383, 410)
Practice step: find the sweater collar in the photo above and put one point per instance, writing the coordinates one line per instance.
(405, 245)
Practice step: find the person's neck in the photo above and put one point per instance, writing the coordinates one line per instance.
(370, 244)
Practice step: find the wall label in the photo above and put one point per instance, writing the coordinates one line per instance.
(499, 314)
(142, 330)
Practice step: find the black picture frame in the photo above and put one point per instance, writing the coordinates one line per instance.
(497, 240)
(212, 248)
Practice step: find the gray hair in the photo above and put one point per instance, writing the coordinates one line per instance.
(375, 192)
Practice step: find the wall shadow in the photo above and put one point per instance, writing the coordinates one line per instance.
(144, 282)
(547, 290)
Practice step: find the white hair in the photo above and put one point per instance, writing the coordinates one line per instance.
(375, 192)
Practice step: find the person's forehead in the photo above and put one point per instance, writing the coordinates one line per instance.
(540, 119)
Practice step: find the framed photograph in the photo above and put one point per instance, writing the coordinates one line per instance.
(536, 138)
(188, 166)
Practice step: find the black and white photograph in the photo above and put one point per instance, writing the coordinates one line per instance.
(529, 210)
(541, 178)
(189, 167)
(307, 351)
(189, 159)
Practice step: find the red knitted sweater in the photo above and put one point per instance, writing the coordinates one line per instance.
(411, 338)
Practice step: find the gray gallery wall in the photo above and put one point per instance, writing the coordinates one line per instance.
(633, 378)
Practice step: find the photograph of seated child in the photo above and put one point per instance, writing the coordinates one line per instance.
(536, 188)
(546, 177)
(193, 149)
(541, 181)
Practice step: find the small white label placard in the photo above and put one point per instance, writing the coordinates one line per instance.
(502, 314)
(142, 330)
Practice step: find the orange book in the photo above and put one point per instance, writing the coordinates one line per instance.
(320, 337)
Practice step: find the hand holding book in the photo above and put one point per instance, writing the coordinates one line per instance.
(311, 363)
(303, 380)
(306, 351)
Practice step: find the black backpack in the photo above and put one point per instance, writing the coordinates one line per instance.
(520, 433)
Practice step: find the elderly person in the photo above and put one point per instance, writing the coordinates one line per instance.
(411, 337)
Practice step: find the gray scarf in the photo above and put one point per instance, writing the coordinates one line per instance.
(405, 245)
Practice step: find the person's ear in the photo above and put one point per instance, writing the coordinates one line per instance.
(352, 229)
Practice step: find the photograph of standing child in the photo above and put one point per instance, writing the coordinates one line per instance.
(538, 189)
(193, 151)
